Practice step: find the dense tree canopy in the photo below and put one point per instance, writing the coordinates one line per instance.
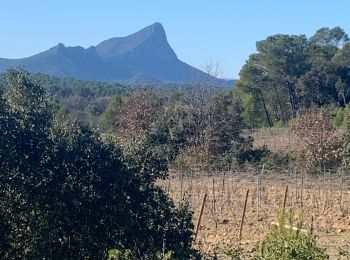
(290, 73)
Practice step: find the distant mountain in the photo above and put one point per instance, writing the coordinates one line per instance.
(142, 57)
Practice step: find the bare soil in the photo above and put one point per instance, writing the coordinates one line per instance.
(325, 199)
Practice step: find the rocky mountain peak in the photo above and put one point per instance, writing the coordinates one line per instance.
(144, 56)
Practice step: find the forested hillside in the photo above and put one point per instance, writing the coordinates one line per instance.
(82, 100)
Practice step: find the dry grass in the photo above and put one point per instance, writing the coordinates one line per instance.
(275, 139)
(325, 199)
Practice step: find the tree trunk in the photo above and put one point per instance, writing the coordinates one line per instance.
(268, 117)
(292, 98)
(279, 104)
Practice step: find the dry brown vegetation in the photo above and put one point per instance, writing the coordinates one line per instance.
(325, 199)
(275, 139)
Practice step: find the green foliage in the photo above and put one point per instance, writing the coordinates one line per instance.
(284, 243)
(115, 254)
(295, 70)
(341, 117)
(65, 87)
(317, 86)
(66, 194)
(224, 126)
(83, 100)
(147, 160)
(346, 118)
(335, 37)
(165, 256)
(252, 112)
(108, 119)
(341, 57)
(278, 161)
(243, 152)
(27, 99)
(126, 254)
(338, 118)
(235, 252)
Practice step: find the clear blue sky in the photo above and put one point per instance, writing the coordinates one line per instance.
(198, 30)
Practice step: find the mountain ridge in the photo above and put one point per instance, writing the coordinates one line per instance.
(142, 57)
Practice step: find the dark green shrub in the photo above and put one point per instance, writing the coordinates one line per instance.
(66, 194)
(235, 252)
(278, 161)
(115, 254)
(242, 152)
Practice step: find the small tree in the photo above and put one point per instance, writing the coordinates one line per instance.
(139, 112)
(108, 119)
(320, 145)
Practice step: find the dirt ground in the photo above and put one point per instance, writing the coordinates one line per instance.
(323, 202)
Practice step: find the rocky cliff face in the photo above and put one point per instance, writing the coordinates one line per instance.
(142, 57)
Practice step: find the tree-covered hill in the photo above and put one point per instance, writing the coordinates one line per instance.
(62, 87)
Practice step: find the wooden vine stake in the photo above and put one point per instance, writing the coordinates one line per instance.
(301, 189)
(200, 217)
(223, 194)
(168, 186)
(214, 206)
(258, 194)
(214, 198)
(285, 198)
(243, 215)
(341, 194)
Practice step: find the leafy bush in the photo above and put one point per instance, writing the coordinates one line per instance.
(278, 161)
(234, 252)
(242, 152)
(115, 254)
(253, 155)
(282, 243)
(341, 117)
